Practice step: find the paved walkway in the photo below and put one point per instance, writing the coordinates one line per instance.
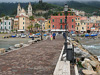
(37, 59)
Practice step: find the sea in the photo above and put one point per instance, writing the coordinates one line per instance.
(6, 43)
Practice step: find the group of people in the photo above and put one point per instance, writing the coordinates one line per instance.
(53, 36)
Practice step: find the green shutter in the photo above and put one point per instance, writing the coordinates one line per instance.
(9, 23)
(60, 20)
(23, 27)
(53, 26)
(1, 27)
(61, 27)
(53, 20)
(5, 23)
(5, 27)
(72, 20)
(9, 27)
(49, 26)
(72, 26)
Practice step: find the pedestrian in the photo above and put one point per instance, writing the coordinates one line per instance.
(51, 37)
(64, 35)
(54, 35)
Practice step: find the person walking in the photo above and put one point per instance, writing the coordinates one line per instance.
(64, 35)
(54, 35)
(51, 37)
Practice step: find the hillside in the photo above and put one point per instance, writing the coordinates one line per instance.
(87, 7)
(10, 8)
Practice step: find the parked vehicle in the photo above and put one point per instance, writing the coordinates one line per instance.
(73, 35)
(23, 36)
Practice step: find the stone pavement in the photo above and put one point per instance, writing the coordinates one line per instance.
(37, 59)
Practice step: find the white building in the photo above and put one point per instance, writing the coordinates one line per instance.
(21, 11)
(6, 26)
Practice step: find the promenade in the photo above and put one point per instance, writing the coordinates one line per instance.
(37, 59)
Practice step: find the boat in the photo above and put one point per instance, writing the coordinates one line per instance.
(86, 35)
(13, 36)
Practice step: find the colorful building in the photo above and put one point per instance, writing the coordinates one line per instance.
(58, 23)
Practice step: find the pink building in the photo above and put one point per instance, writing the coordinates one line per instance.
(58, 23)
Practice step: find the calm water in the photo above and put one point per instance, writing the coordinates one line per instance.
(6, 43)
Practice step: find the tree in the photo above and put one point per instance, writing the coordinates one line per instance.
(6, 18)
(30, 28)
(37, 26)
(31, 18)
(2, 15)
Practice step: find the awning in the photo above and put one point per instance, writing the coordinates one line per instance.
(21, 30)
(59, 30)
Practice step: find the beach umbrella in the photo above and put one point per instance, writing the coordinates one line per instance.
(45, 35)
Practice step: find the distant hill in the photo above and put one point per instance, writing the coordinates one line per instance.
(10, 8)
(87, 7)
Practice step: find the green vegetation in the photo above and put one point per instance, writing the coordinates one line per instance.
(46, 6)
(6, 18)
(31, 18)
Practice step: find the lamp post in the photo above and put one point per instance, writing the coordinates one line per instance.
(41, 29)
(66, 32)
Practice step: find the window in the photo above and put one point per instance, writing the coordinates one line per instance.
(49, 26)
(99, 28)
(77, 28)
(65, 26)
(72, 20)
(49, 21)
(1, 27)
(60, 14)
(5, 27)
(88, 23)
(88, 27)
(23, 18)
(23, 22)
(53, 26)
(1, 22)
(72, 14)
(61, 26)
(82, 27)
(76, 18)
(23, 27)
(9, 27)
(9, 23)
(44, 27)
(65, 20)
(53, 20)
(5, 23)
(72, 26)
(84, 23)
(60, 20)
(78, 23)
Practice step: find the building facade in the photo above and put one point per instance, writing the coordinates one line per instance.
(58, 23)
(6, 26)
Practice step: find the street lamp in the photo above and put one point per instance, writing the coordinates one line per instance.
(66, 32)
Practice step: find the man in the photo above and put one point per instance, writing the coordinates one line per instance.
(54, 35)
(64, 35)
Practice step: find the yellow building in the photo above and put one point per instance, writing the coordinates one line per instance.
(24, 22)
(80, 24)
(48, 25)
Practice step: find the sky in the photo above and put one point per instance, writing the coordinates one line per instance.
(38, 0)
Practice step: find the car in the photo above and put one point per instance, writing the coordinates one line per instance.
(23, 36)
(73, 35)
